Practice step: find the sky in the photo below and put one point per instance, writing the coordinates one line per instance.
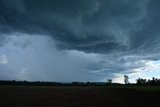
(79, 40)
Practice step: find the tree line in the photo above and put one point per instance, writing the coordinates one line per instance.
(43, 83)
(153, 81)
(139, 81)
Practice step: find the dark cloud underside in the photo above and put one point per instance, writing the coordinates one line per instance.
(84, 24)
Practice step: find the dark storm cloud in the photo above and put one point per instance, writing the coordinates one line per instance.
(115, 36)
(84, 25)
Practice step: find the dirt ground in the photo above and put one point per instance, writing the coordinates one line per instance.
(45, 96)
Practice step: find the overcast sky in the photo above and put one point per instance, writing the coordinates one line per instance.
(79, 40)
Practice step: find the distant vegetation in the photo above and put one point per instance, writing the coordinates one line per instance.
(42, 83)
(154, 81)
(140, 82)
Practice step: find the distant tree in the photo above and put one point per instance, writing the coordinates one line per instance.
(109, 81)
(154, 81)
(75, 83)
(126, 79)
(141, 81)
(87, 83)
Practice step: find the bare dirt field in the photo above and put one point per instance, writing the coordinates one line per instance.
(47, 96)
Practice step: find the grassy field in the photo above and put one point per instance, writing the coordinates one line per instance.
(148, 89)
(48, 96)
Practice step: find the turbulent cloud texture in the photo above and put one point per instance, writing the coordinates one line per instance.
(79, 40)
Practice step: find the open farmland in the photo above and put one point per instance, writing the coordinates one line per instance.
(65, 96)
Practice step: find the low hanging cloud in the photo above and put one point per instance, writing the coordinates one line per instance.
(39, 60)
(67, 40)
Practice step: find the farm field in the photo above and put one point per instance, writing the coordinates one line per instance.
(68, 96)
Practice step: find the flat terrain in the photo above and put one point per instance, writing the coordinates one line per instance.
(47, 96)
